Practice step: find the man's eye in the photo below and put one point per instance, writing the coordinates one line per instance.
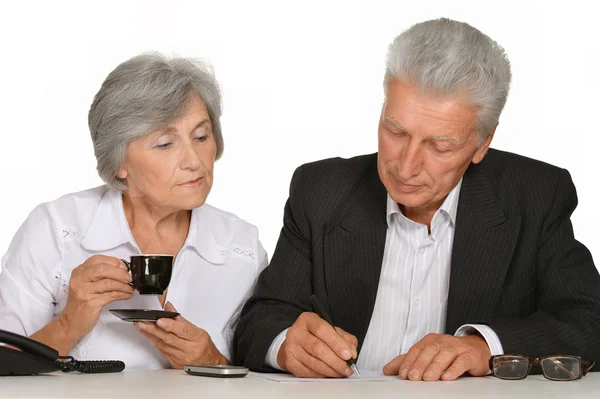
(395, 132)
(441, 151)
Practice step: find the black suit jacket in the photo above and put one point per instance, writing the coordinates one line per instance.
(515, 266)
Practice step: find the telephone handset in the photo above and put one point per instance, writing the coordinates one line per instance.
(33, 357)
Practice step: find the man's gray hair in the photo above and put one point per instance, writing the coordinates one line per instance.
(141, 95)
(443, 57)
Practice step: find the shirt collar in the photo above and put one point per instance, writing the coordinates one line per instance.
(449, 206)
(106, 230)
(210, 238)
(109, 229)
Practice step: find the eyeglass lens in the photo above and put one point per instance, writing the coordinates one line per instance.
(561, 368)
(510, 367)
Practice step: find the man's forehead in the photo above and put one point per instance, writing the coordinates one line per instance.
(454, 135)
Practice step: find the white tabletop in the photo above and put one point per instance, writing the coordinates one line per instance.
(177, 384)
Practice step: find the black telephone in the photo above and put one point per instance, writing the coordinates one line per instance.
(37, 358)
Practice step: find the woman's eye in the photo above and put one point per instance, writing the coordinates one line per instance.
(201, 138)
(163, 145)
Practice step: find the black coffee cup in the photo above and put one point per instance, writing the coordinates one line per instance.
(151, 273)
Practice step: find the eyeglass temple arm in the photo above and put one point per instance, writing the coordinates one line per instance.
(587, 365)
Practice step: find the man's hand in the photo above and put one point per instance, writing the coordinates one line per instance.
(444, 356)
(181, 342)
(312, 348)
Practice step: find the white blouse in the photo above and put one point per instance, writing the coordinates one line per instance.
(212, 277)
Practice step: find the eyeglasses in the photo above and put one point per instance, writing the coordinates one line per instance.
(556, 367)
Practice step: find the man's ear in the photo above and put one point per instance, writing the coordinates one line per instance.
(485, 146)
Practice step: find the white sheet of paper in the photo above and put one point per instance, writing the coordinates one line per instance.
(365, 375)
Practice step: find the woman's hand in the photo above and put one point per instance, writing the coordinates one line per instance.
(95, 283)
(181, 342)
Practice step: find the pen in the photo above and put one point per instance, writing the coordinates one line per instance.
(320, 310)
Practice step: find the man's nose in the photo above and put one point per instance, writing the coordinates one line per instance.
(410, 162)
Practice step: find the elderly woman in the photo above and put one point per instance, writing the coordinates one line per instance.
(156, 134)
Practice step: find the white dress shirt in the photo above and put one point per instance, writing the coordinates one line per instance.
(412, 295)
(212, 277)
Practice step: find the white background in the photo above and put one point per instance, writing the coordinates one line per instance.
(301, 81)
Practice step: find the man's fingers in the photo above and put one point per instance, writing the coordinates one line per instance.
(439, 364)
(320, 351)
(460, 365)
(299, 369)
(317, 346)
(317, 365)
(408, 360)
(393, 367)
(422, 361)
(442, 356)
(350, 339)
(326, 333)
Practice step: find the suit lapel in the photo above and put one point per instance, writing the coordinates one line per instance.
(484, 241)
(353, 254)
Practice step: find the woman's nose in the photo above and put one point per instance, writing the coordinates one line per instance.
(190, 157)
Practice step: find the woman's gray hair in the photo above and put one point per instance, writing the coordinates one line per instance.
(141, 95)
(443, 57)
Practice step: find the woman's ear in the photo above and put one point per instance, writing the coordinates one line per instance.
(122, 174)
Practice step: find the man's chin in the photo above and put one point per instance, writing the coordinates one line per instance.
(408, 200)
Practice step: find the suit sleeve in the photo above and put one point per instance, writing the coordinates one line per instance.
(282, 290)
(567, 317)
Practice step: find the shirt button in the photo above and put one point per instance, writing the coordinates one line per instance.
(417, 302)
(422, 250)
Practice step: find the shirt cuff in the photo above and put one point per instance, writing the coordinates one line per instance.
(486, 332)
(271, 358)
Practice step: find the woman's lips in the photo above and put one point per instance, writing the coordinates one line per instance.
(193, 183)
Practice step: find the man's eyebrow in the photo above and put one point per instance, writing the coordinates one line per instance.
(444, 138)
(396, 124)
(436, 138)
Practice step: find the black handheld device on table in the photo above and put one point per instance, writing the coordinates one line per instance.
(33, 357)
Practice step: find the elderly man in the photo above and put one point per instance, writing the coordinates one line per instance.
(436, 252)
